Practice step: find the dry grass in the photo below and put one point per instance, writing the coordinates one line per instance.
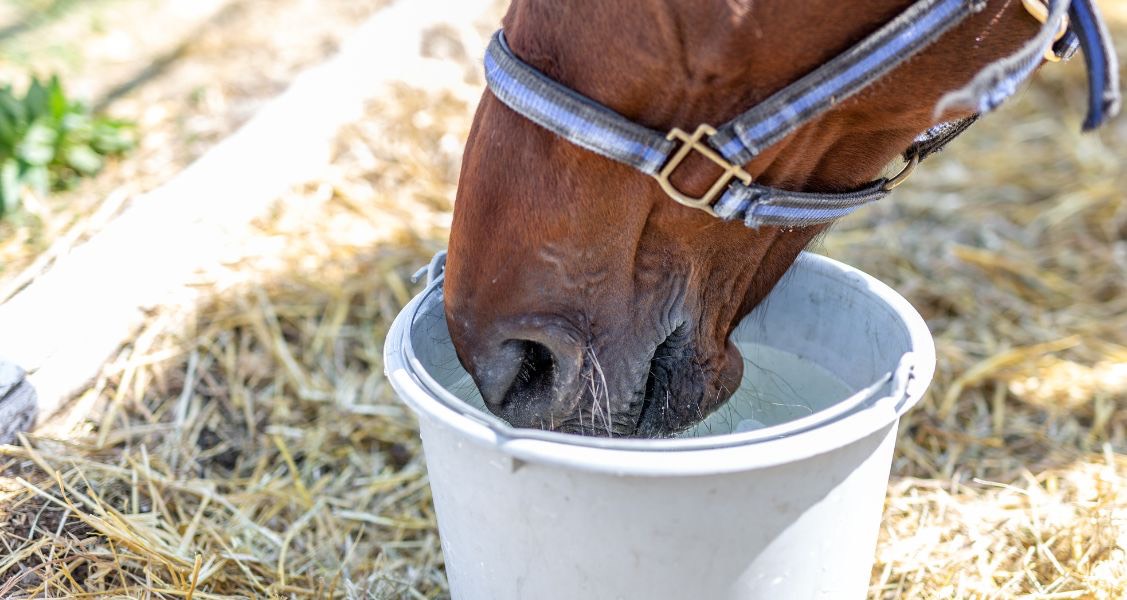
(1010, 479)
(248, 446)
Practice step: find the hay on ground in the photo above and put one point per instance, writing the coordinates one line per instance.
(248, 446)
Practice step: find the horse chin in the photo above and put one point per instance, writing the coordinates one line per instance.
(680, 393)
(677, 394)
(675, 401)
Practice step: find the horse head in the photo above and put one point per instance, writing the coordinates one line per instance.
(578, 295)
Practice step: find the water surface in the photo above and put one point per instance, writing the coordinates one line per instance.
(777, 387)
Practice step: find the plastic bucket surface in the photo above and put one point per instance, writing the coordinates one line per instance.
(791, 510)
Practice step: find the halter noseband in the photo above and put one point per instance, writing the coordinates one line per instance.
(734, 195)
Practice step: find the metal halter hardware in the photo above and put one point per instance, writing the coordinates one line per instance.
(688, 144)
(1040, 11)
(734, 194)
(731, 171)
(904, 173)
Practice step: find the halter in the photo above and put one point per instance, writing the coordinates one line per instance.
(735, 195)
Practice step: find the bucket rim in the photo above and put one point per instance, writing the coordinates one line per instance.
(836, 426)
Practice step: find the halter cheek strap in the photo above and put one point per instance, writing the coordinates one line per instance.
(597, 128)
(734, 195)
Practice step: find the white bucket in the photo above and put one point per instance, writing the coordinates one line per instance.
(788, 511)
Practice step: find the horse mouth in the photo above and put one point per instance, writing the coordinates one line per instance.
(671, 361)
(654, 410)
(650, 421)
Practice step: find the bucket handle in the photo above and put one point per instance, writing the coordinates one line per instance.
(434, 270)
(902, 379)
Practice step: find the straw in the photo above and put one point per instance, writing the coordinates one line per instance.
(1009, 480)
(248, 446)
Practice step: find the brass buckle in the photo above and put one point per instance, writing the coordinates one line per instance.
(690, 143)
(1040, 11)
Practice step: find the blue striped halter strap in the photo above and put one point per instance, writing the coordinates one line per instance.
(1066, 24)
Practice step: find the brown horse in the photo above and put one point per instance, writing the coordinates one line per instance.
(582, 299)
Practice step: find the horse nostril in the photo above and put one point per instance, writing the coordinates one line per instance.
(536, 374)
(528, 382)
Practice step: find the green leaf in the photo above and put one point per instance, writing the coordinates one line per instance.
(37, 148)
(112, 138)
(9, 186)
(76, 120)
(48, 141)
(37, 100)
(57, 104)
(83, 159)
(13, 108)
(7, 135)
(78, 127)
(37, 178)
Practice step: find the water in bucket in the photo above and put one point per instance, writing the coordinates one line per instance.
(777, 387)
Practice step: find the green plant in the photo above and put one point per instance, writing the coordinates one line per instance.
(48, 141)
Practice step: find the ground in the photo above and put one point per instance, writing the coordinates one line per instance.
(248, 445)
(188, 72)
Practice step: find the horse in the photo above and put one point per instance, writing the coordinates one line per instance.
(579, 297)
